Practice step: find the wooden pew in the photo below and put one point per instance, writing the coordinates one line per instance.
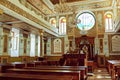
(117, 69)
(18, 64)
(4, 67)
(15, 76)
(37, 63)
(111, 68)
(30, 64)
(82, 69)
(74, 74)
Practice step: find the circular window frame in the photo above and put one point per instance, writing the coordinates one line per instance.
(82, 13)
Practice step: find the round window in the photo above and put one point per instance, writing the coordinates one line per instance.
(85, 21)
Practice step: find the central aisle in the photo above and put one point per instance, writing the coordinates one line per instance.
(100, 74)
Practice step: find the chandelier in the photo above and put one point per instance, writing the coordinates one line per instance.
(62, 7)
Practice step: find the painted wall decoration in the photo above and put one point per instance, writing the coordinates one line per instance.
(105, 45)
(57, 46)
(99, 20)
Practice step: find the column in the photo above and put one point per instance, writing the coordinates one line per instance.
(105, 45)
(36, 45)
(21, 44)
(41, 42)
(70, 38)
(66, 44)
(6, 41)
(25, 42)
(49, 46)
(1, 40)
(28, 45)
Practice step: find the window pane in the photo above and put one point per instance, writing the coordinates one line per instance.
(62, 26)
(108, 22)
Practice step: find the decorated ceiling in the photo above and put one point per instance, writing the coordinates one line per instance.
(65, 6)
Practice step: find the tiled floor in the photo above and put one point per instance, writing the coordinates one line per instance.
(99, 74)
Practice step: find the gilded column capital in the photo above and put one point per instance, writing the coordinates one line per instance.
(41, 31)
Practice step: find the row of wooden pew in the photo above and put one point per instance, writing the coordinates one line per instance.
(114, 69)
(5, 66)
(16, 76)
(19, 71)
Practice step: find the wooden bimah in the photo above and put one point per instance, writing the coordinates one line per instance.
(75, 59)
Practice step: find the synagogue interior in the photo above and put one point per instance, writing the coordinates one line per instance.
(59, 40)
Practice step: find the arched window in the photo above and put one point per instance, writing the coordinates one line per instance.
(14, 43)
(32, 45)
(53, 22)
(108, 22)
(62, 26)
